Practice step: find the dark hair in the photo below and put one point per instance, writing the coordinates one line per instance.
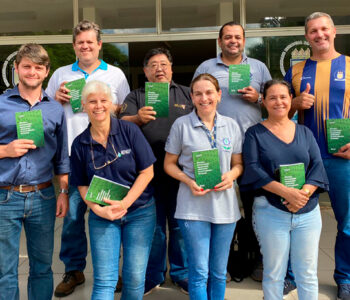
(86, 25)
(231, 23)
(34, 52)
(273, 82)
(205, 76)
(156, 51)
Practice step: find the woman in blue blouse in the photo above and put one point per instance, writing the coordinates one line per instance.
(287, 221)
(118, 151)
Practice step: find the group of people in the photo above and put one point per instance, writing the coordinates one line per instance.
(153, 156)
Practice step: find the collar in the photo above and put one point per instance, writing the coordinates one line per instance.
(15, 93)
(103, 66)
(85, 137)
(197, 123)
(220, 62)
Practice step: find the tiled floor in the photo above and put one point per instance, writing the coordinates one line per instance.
(246, 290)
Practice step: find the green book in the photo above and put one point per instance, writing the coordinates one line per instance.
(338, 134)
(157, 96)
(30, 126)
(101, 188)
(206, 164)
(293, 175)
(238, 78)
(75, 87)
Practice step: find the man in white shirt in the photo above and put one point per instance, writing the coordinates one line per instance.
(87, 44)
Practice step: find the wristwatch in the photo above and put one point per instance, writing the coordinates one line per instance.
(259, 101)
(63, 191)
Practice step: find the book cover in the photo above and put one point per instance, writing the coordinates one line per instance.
(101, 188)
(30, 126)
(239, 78)
(206, 165)
(292, 175)
(157, 96)
(338, 134)
(75, 87)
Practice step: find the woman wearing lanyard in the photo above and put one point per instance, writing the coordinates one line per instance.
(115, 150)
(206, 217)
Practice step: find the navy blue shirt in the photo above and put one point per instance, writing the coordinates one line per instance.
(134, 155)
(263, 153)
(37, 165)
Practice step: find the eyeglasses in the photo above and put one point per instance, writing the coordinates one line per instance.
(106, 163)
(155, 66)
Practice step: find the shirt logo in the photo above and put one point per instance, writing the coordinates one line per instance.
(226, 144)
(123, 152)
(339, 76)
(183, 106)
(123, 108)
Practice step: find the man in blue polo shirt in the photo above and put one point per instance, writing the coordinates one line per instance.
(244, 108)
(87, 44)
(27, 196)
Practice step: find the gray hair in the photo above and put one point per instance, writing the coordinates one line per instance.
(86, 25)
(317, 15)
(96, 86)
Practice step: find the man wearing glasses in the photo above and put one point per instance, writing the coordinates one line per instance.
(87, 44)
(157, 66)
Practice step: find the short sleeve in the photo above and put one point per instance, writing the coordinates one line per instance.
(78, 162)
(173, 143)
(130, 106)
(288, 78)
(52, 86)
(144, 156)
(238, 138)
(266, 76)
(123, 89)
(200, 70)
(254, 176)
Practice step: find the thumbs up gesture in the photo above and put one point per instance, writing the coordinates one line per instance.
(305, 100)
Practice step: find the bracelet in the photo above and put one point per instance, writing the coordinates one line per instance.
(63, 191)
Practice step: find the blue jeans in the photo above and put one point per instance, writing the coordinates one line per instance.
(282, 235)
(208, 247)
(36, 212)
(73, 240)
(338, 172)
(165, 196)
(134, 231)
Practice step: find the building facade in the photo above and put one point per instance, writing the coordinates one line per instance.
(274, 31)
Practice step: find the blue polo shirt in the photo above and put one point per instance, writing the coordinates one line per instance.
(133, 151)
(245, 113)
(37, 165)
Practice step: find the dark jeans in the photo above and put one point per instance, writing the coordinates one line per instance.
(165, 193)
(247, 199)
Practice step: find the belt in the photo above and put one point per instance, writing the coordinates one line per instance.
(23, 188)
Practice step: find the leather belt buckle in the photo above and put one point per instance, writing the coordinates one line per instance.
(21, 188)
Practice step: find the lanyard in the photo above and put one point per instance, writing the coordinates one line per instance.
(210, 134)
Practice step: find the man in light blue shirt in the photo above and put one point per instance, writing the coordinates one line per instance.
(244, 108)
(27, 196)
